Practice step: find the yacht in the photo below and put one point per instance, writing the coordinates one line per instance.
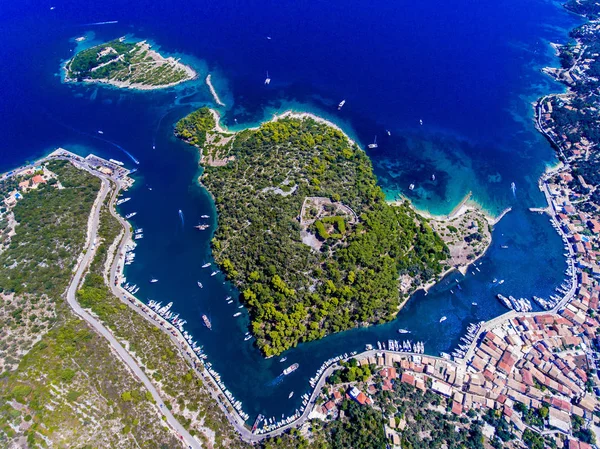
(207, 322)
(403, 331)
(290, 395)
(501, 281)
(200, 284)
(388, 132)
(411, 187)
(421, 121)
(152, 281)
(202, 227)
(236, 314)
(206, 265)
(283, 359)
(474, 304)
(290, 369)
(132, 214)
(374, 144)
(247, 337)
(433, 177)
(100, 132)
(204, 216)
(342, 103)
(213, 273)
(442, 319)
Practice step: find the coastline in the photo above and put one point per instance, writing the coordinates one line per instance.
(191, 74)
(465, 205)
(213, 91)
(287, 114)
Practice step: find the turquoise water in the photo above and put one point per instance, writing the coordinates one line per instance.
(469, 71)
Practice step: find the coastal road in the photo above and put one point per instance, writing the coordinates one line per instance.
(88, 255)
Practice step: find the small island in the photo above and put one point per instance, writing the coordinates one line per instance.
(127, 65)
(304, 230)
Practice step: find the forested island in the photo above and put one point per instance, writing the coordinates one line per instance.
(304, 229)
(129, 65)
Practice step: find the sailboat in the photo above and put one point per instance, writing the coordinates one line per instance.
(374, 144)
(268, 80)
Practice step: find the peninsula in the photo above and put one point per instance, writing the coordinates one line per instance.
(304, 229)
(127, 65)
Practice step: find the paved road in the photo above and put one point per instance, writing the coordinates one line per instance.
(99, 327)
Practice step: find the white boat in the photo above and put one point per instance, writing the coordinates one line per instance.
(442, 319)
(341, 105)
(388, 132)
(268, 80)
(206, 265)
(421, 121)
(433, 177)
(501, 281)
(213, 273)
(411, 187)
(132, 214)
(283, 359)
(374, 144)
(474, 304)
(200, 284)
(152, 281)
(114, 161)
(204, 216)
(100, 132)
(236, 314)
(247, 337)
(290, 395)
(403, 331)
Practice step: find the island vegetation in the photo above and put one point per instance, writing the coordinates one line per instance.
(125, 64)
(301, 282)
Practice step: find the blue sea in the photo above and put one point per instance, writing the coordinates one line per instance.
(468, 70)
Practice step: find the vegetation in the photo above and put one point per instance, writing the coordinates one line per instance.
(58, 391)
(182, 389)
(122, 62)
(293, 293)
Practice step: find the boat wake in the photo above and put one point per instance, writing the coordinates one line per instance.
(276, 381)
(97, 135)
(109, 22)
(181, 218)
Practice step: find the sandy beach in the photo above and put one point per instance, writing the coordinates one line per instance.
(213, 91)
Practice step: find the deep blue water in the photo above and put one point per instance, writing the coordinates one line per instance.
(468, 69)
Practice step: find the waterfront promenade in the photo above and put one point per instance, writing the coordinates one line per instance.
(79, 275)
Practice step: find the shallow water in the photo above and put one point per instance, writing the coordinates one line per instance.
(469, 71)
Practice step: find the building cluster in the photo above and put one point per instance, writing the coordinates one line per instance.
(31, 178)
(538, 361)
